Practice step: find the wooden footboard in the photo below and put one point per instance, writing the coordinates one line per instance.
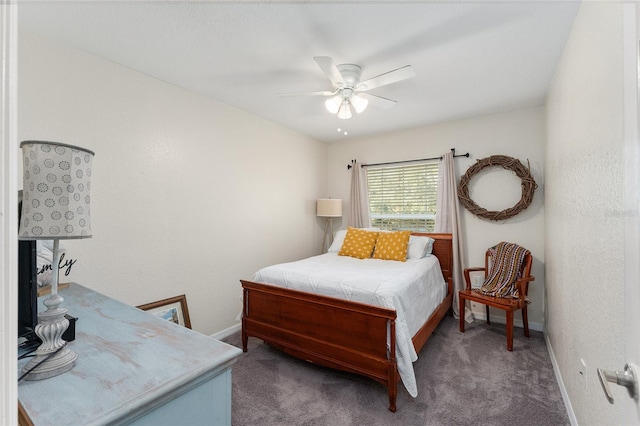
(336, 333)
(331, 332)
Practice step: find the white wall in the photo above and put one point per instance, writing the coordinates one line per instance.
(519, 134)
(584, 210)
(189, 195)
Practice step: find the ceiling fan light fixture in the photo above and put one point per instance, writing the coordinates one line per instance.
(359, 103)
(345, 110)
(346, 82)
(333, 104)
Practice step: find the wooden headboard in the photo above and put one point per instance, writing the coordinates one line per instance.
(443, 250)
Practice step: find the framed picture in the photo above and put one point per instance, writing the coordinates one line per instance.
(173, 309)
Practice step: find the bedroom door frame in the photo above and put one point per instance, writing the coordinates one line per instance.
(8, 212)
(631, 51)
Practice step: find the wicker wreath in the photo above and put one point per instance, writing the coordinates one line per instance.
(524, 173)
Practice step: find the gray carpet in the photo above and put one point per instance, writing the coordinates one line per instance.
(463, 379)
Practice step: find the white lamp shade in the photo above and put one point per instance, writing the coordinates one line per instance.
(333, 104)
(329, 207)
(359, 103)
(345, 110)
(56, 191)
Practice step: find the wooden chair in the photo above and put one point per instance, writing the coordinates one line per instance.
(509, 305)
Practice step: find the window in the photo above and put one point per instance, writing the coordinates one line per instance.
(403, 197)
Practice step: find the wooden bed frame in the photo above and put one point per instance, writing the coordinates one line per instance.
(336, 333)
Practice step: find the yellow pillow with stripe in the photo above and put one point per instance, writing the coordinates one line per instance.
(358, 243)
(392, 246)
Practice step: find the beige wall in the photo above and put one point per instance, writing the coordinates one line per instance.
(583, 205)
(518, 134)
(189, 195)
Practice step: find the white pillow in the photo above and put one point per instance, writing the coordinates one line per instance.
(336, 245)
(419, 247)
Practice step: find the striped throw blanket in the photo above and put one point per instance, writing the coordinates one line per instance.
(506, 261)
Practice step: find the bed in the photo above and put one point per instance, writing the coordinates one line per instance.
(369, 338)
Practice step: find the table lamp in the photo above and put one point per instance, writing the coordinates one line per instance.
(328, 208)
(56, 206)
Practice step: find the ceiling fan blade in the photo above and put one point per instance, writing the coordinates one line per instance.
(321, 93)
(378, 101)
(387, 78)
(330, 69)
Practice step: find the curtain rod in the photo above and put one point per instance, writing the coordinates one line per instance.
(453, 150)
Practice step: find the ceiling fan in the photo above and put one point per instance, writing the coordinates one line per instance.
(348, 91)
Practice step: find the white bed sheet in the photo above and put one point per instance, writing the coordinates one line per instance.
(414, 289)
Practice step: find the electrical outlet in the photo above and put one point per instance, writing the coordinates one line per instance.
(582, 370)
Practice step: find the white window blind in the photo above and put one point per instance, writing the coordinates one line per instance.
(403, 197)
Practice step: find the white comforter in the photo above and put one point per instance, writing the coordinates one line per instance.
(413, 289)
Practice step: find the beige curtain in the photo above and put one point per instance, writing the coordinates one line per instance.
(359, 212)
(448, 221)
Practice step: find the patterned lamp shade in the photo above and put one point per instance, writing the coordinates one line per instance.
(56, 191)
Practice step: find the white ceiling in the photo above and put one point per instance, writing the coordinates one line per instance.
(471, 57)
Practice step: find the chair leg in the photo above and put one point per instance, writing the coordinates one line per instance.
(509, 330)
(525, 321)
(461, 311)
(487, 311)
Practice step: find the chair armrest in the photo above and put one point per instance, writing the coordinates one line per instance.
(466, 275)
(523, 287)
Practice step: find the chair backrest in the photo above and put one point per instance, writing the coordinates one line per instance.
(525, 268)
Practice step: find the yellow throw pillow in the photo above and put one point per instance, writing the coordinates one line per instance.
(392, 246)
(358, 243)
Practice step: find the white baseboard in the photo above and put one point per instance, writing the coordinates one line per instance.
(227, 332)
(563, 389)
(517, 322)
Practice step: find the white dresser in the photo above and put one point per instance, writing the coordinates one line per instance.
(133, 368)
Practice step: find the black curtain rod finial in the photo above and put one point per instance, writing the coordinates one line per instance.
(453, 151)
